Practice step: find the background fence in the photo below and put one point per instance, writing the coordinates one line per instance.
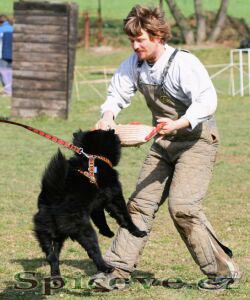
(229, 79)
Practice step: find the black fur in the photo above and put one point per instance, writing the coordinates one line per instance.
(68, 200)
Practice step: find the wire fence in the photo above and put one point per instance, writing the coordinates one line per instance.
(229, 79)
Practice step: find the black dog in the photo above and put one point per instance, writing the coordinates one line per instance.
(68, 199)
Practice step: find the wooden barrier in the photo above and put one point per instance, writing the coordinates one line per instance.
(44, 43)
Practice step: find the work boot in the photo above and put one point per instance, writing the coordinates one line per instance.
(106, 282)
(220, 283)
(216, 284)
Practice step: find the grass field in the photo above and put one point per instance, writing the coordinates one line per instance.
(113, 9)
(23, 157)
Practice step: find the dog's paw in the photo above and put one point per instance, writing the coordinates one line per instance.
(109, 269)
(57, 281)
(107, 233)
(139, 233)
(105, 268)
(135, 230)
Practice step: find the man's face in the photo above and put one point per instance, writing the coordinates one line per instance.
(145, 47)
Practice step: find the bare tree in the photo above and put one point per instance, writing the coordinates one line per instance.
(201, 36)
(201, 22)
(161, 4)
(219, 21)
(99, 24)
(182, 22)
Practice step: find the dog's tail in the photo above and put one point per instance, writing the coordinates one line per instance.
(54, 176)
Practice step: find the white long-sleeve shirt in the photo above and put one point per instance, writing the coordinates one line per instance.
(187, 80)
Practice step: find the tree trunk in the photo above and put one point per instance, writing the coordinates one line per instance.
(182, 22)
(201, 22)
(161, 4)
(219, 21)
(99, 24)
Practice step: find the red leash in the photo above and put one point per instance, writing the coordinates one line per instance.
(48, 136)
(91, 158)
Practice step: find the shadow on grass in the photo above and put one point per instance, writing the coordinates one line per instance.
(33, 264)
(38, 293)
(32, 284)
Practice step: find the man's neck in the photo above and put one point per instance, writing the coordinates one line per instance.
(158, 53)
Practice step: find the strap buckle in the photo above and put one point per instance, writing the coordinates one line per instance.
(83, 153)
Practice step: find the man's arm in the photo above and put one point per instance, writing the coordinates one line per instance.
(197, 86)
(122, 87)
(106, 122)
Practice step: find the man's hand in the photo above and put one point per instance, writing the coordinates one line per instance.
(106, 122)
(172, 126)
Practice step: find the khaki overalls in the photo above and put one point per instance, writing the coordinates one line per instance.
(178, 167)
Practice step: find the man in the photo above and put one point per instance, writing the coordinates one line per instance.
(179, 92)
(6, 30)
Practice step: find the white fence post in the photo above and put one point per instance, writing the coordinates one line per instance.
(232, 73)
(241, 73)
(248, 72)
(240, 65)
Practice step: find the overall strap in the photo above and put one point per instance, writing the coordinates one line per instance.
(139, 64)
(165, 71)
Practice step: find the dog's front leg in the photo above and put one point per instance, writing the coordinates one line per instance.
(117, 209)
(99, 219)
(88, 240)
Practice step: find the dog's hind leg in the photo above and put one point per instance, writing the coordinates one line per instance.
(99, 220)
(88, 240)
(53, 257)
(51, 248)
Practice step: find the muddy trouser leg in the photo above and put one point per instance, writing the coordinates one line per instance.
(190, 181)
(125, 249)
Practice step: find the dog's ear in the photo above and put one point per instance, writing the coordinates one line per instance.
(78, 137)
(77, 133)
(112, 131)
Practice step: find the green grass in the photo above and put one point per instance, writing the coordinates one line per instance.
(23, 157)
(114, 9)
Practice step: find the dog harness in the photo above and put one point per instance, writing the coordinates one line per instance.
(92, 169)
(90, 174)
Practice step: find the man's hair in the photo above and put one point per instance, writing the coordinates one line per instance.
(151, 20)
